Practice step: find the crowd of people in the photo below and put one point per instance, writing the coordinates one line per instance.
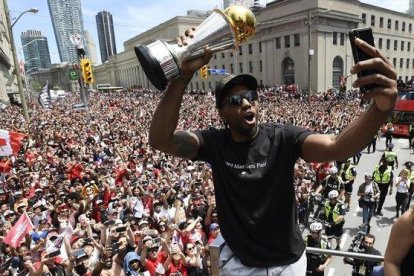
(109, 204)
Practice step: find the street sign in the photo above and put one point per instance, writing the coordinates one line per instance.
(72, 74)
(217, 71)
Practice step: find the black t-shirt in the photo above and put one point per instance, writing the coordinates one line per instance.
(255, 193)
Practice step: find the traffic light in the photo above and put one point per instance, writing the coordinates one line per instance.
(86, 67)
(204, 72)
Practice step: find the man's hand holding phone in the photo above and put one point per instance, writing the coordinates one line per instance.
(377, 75)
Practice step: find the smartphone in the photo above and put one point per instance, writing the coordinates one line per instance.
(54, 253)
(109, 222)
(156, 241)
(115, 247)
(366, 35)
(87, 241)
(121, 229)
(78, 252)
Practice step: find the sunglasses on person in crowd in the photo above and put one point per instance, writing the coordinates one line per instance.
(236, 100)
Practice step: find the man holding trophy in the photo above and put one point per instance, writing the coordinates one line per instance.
(253, 163)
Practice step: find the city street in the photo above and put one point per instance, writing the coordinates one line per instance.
(380, 226)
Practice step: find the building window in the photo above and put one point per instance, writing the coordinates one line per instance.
(401, 62)
(250, 66)
(403, 26)
(373, 20)
(389, 23)
(250, 46)
(232, 68)
(342, 35)
(364, 18)
(296, 39)
(215, 56)
(402, 45)
(394, 62)
(240, 50)
(222, 55)
(408, 46)
(287, 41)
(397, 25)
(380, 43)
(241, 67)
(381, 23)
(412, 64)
(277, 42)
(335, 38)
(408, 63)
(209, 85)
(395, 45)
(410, 27)
(203, 85)
(388, 44)
(260, 66)
(260, 46)
(231, 54)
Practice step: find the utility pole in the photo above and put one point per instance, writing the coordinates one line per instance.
(310, 53)
(15, 61)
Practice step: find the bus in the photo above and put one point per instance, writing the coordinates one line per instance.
(403, 114)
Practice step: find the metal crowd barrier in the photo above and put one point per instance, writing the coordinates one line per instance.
(216, 246)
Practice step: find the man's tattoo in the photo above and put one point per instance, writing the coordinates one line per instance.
(185, 144)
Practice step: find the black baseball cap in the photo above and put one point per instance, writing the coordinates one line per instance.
(230, 81)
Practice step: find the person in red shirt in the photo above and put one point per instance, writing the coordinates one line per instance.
(214, 232)
(176, 263)
(152, 258)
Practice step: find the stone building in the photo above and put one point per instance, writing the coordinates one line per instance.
(287, 32)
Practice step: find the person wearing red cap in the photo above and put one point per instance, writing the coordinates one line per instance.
(253, 163)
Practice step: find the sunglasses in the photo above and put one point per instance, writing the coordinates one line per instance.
(237, 100)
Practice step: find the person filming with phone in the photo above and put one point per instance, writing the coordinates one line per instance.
(253, 162)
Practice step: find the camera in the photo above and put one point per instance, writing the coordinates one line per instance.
(356, 246)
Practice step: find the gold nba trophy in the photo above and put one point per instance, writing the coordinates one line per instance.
(222, 30)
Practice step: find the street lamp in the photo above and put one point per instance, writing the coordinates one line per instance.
(310, 23)
(13, 48)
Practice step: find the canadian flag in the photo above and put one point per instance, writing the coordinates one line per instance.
(19, 230)
(10, 142)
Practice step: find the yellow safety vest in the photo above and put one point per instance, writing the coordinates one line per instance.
(348, 172)
(335, 211)
(382, 178)
(390, 156)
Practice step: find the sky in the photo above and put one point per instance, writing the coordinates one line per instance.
(130, 17)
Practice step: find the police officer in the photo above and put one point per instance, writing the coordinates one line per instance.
(332, 182)
(410, 135)
(317, 263)
(383, 176)
(409, 166)
(390, 156)
(373, 143)
(335, 216)
(348, 174)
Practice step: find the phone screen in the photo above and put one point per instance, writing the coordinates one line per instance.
(366, 35)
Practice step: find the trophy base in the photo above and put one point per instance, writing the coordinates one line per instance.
(151, 67)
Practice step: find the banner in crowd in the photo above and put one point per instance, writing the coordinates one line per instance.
(10, 142)
(19, 230)
(44, 97)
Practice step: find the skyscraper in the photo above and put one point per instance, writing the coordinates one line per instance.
(35, 50)
(91, 46)
(67, 20)
(106, 35)
(245, 3)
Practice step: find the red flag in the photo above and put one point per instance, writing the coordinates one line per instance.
(10, 142)
(19, 230)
